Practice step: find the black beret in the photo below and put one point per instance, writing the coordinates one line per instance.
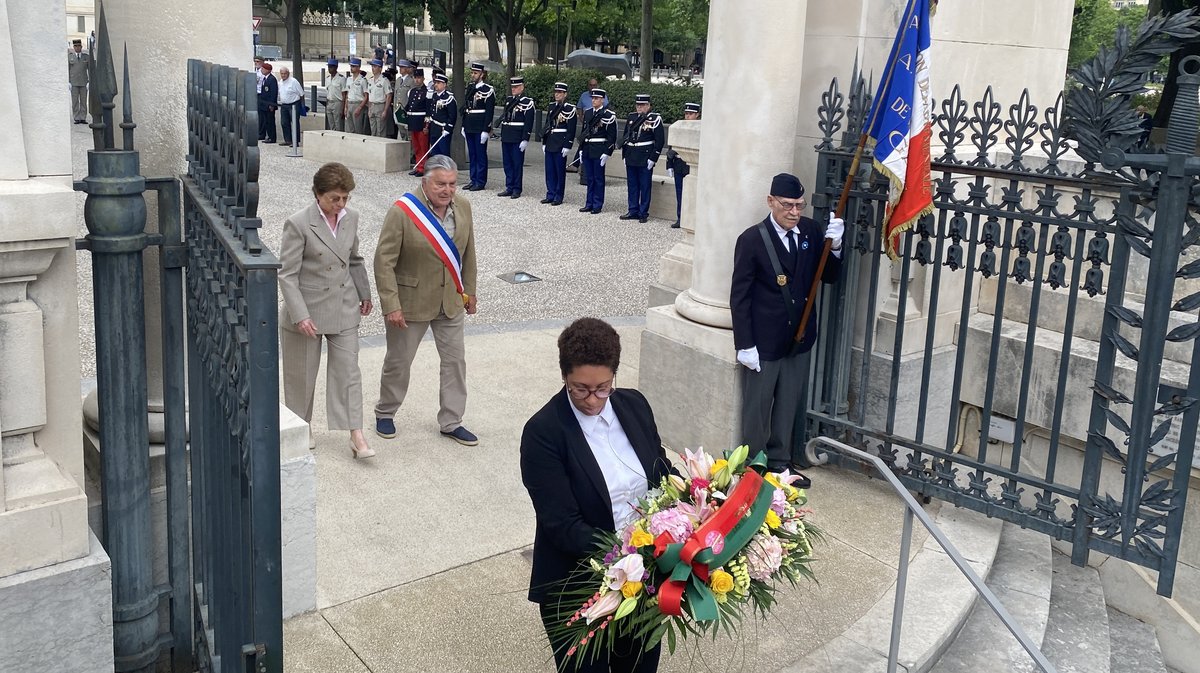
(787, 186)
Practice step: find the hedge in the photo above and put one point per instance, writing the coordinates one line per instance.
(666, 99)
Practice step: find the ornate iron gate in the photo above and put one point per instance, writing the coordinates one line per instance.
(1042, 288)
(223, 603)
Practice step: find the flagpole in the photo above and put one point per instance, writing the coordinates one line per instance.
(840, 210)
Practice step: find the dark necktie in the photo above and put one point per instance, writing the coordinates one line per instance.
(791, 245)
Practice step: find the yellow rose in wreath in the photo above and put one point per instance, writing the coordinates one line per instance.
(720, 582)
(640, 538)
(773, 520)
(631, 589)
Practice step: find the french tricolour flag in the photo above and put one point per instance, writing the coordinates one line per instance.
(902, 126)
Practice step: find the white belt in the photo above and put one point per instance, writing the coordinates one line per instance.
(641, 144)
(438, 122)
(558, 130)
(597, 140)
(514, 123)
(415, 114)
(475, 111)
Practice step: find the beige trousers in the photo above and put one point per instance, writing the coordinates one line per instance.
(397, 366)
(79, 102)
(343, 381)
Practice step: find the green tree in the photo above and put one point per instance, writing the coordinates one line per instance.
(453, 15)
(1095, 24)
(382, 13)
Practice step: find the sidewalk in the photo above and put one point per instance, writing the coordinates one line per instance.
(422, 550)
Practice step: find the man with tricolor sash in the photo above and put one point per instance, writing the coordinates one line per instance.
(425, 274)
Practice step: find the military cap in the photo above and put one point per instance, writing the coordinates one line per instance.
(376, 63)
(478, 67)
(599, 93)
(419, 72)
(516, 81)
(691, 107)
(332, 61)
(440, 77)
(355, 62)
(786, 185)
(642, 99)
(561, 86)
(77, 41)
(405, 63)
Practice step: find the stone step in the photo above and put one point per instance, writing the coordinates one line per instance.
(938, 599)
(1133, 645)
(1021, 578)
(1077, 635)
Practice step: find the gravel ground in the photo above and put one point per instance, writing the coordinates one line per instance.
(589, 264)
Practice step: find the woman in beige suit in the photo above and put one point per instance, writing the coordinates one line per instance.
(325, 293)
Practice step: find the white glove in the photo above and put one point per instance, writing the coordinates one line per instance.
(670, 172)
(429, 93)
(463, 131)
(749, 358)
(483, 138)
(566, 151)
(603, 160)
(543, 149)
(523, 144)
(836, 228)
(649, 165)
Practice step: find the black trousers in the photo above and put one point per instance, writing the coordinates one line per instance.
(286, 113)
(266, 124)
(771, 398)
(627, 655)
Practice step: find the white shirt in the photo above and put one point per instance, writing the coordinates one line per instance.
(290, 91)
(623, 472)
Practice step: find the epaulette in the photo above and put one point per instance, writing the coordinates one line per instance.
(653, 121)
(524, 104)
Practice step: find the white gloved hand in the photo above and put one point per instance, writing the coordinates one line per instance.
(749, 358)
(429, 93)
(649, 165)
(543, 149)
(670, 172)
(565, 152)
(603, 160)
(463, 131)
(836, 228)
(483, 138)
(523, 144)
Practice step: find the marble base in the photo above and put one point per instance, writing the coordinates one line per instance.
(382, 155)
(58, 618)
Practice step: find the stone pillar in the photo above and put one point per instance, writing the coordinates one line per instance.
(53, 574)
(694, 335)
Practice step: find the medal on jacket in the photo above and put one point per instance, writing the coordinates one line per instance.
(781, 279)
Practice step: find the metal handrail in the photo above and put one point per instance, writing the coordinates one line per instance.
(911, 509)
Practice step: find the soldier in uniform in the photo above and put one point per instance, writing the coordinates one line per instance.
(678, 169)
(379, 97)
(77, 73)
(598, 144)
(415, 109)
(442, 115)
(356, 99)
(335, 97)
(404, 84)
(515, 128)
(641, 147)
(479, 108)
(558, 135)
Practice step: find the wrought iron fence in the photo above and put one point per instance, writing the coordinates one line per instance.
(1045, 297)
(233, 382)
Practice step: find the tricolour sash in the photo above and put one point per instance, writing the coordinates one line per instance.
(427, 223)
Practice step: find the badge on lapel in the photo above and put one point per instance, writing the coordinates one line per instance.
(804, 244)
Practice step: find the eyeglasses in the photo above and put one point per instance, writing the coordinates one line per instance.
(577, 392)
(796, 205)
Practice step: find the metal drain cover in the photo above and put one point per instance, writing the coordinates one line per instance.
(518, 277)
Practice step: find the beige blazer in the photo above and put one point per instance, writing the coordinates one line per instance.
(77, 67)
(322, 277)
(410, 276)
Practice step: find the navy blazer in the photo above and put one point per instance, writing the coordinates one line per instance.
(569, 494)
(760, 316)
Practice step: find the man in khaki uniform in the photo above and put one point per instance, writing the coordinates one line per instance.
(379, 96)
(404, 84)
(356, 100)
(77, 72)
(417, 293)
(335, 97)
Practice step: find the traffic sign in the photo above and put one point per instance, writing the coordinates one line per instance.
(257, 20)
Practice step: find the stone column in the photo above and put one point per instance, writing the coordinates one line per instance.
(53, 573)
(756, 142)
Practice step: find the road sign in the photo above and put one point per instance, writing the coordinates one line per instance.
(257, 21)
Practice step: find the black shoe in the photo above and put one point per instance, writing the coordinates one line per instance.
(419, 174)
(462, 436)
(675, 224)
(585, 209)
(802, 481)
(595, 211)
(505, 193)
(643, 220)
(545, 201)
(413, 172)
(515, 195)
(556, 203)
(627, 216)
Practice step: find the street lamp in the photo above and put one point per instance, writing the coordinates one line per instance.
(416, 22)
(395, 30)
(557, 45)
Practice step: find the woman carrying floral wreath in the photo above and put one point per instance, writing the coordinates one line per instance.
(587, 458)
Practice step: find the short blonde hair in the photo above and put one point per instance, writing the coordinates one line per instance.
(331, 176)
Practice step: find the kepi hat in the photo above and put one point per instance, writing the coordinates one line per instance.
(642, 99)
(561, 86)
(516, 81)
(440, 77)
(599, 93)
(478, 67)
(333, 61)
(691, 107)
